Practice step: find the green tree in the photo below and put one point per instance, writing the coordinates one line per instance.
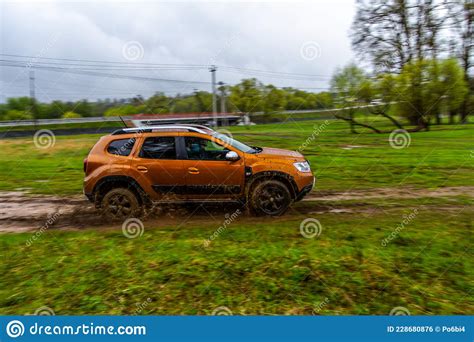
(452, 87)
(424, 86)
(350, 84)
(274, 99)
(352, 87)
(71, 115)
(158, 103)
(14, 114)
(123, 110)
(247, 96)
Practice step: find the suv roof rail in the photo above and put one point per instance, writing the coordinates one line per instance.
(149, 129)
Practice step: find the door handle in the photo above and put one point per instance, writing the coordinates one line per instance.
(142, 168)
(193, 170)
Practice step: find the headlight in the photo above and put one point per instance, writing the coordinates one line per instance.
(302, 166)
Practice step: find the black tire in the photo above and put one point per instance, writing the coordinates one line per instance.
(120, 204)
(270, 197)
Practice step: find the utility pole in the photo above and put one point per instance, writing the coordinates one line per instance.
(213, 69)
(33, 96)
(223, 104)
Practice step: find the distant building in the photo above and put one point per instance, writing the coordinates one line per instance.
(223, 119)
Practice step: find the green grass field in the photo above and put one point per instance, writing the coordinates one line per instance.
(442, 157)
(263, 267)
(260, 265)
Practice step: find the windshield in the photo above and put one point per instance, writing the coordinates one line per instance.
(234, 143)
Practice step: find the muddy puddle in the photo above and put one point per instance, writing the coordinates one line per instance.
(21, 212)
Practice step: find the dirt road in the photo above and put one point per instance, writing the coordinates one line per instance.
(21, 212)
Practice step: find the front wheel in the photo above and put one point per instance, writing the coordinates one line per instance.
(270, 197)
(119, 204)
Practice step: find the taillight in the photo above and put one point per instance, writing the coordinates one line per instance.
(85, 165)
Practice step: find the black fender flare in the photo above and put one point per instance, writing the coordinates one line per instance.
(127, 181)
(276, 175)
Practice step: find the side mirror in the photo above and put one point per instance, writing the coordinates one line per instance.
(232, 156)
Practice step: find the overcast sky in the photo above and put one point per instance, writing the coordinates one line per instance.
(290, 37)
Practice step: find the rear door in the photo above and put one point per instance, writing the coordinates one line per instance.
(161, 166)
(208, 174)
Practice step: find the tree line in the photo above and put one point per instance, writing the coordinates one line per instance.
(250, 95)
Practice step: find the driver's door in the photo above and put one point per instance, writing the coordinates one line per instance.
(208, 174)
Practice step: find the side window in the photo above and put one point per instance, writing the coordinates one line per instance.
(159, 148)
(203, 149)
(121, 147)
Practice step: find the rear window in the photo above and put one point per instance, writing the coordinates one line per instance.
(121, 147)
(159, 148)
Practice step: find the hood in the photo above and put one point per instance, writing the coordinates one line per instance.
(277, 152)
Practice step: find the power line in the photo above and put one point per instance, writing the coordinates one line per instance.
(110, 75)
(102, 63)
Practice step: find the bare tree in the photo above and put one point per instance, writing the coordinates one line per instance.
(461, 13)
(392, 33)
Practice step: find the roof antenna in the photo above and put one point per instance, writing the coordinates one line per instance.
(124, 124)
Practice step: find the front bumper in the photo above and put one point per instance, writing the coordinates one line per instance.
(305, 190)
(90, 197)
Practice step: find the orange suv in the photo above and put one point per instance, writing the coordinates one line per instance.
(135, 167)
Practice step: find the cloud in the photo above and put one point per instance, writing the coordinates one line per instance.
(267, 36)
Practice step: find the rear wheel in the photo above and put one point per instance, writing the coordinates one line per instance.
(270, 197)
(119, 204)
